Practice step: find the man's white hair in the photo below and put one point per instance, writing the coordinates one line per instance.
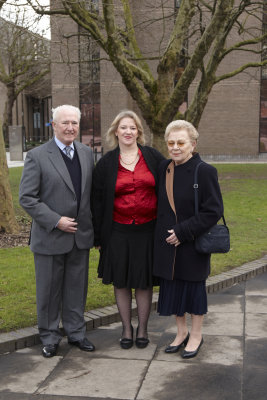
(57, 110)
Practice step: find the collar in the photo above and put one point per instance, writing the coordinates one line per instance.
(62, 145)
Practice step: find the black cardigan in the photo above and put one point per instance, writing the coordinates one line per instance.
(103, 191)
(183, 262)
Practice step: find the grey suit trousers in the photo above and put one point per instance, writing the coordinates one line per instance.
(55, 273)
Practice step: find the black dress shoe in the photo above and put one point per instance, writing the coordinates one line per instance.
(174, 349)
(126, 343)
(141, 342)
(191, 354)
(49, 350)
(83, 344)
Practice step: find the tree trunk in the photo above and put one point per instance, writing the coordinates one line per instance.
(7, 121)
(8, 221)
(159, 143)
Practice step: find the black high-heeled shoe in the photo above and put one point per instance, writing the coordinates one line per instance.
(141, 342)
(174, 349)
(127, 343)
(191, 354)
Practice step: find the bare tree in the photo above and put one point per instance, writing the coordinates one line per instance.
(203, 34)
(24, 60)
(8, 221)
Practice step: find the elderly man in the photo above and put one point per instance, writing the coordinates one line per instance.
(55, 191)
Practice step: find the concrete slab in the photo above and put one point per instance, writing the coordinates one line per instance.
(191, 380)
(256, 304)
(256, 353)
(222, 303)
(226, 324)
(25, 371)
(255, 384)
(223, 350)
(257, 286)
(99, 377)
(159, 323)
(256, 325)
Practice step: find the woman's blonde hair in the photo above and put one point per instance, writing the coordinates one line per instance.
(182, 124)
(112, 139)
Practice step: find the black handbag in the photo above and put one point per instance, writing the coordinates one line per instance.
(217, 238)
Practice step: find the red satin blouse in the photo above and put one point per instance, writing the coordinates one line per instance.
(135, 198)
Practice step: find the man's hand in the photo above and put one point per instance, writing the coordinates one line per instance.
(67, 224)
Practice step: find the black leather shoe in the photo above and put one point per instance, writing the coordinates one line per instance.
(175, 349)
(126, 343)
(83, 344)
(49, 350)
(191, 354)
(141, 342)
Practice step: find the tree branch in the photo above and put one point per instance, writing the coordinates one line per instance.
(31, 81)
(84, 19)
(116, 51)
(178, 36)
(240, 69)
(244, 43)
(2, 2)
(168, 111)
(132, 39)
(40, 10)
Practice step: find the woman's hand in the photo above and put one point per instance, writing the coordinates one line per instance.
(172, 239)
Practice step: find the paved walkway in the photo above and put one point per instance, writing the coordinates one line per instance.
(231, 365)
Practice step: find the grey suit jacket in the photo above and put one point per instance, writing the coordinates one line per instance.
(46, 193)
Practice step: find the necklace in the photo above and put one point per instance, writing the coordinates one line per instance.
(132, 162)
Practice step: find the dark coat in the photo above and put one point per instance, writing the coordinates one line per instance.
(103, 192)
(183, 262)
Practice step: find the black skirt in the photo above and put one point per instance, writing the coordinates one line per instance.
(127, 262)
(178, 297)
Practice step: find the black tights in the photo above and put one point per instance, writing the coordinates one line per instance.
(143, 299)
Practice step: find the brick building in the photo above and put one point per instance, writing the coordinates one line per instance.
(233, 125)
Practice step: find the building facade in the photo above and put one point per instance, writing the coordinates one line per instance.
(234, 122)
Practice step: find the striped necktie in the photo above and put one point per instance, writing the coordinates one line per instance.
(68, 151)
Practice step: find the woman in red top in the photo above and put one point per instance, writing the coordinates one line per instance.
(124, 213)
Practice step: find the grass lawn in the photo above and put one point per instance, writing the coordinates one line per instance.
(244, 191)
(17, 288)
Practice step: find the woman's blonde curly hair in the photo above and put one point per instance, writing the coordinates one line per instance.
(182, 124)
(112, 139)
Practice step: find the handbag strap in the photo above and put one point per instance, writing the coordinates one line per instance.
(195, 186)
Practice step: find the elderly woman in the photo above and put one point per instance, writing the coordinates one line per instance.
(124, 214)
(182, 270)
